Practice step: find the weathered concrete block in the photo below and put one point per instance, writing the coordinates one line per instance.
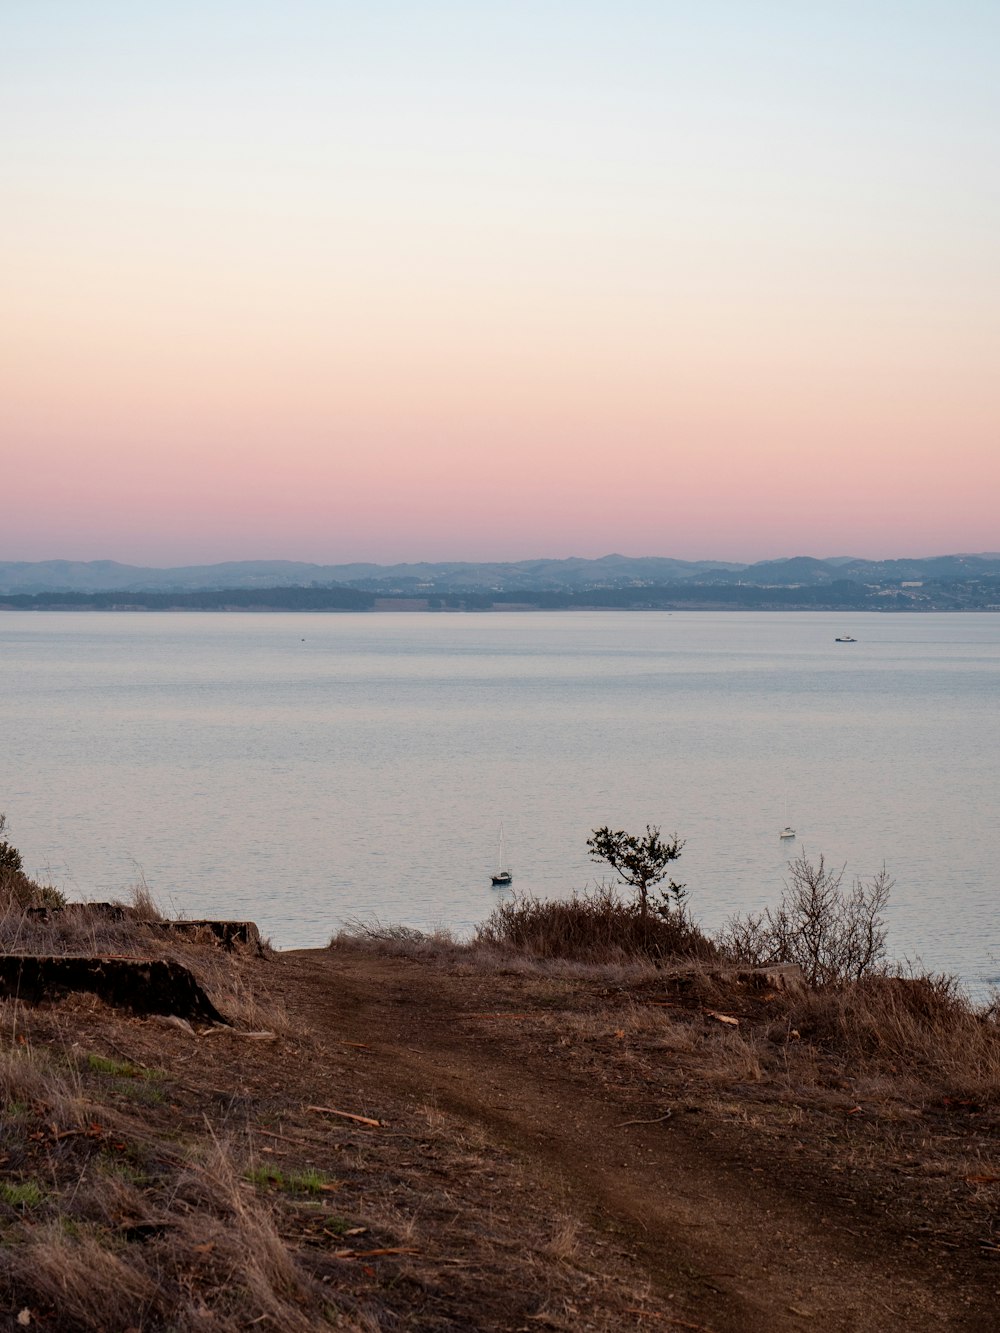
(143, 985)
(229, 934)
(787, 978)
(107, 911)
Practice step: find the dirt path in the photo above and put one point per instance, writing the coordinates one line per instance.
(726, 1236)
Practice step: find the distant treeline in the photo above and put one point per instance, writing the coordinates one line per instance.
(226, 599)
(841, 595)
(679, 596)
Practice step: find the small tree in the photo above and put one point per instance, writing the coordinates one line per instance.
(640, 862)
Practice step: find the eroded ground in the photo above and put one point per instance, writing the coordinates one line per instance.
(589, 1151)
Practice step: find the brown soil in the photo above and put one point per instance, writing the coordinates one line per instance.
(564, 1152)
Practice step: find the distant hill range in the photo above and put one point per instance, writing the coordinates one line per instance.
(932, 582)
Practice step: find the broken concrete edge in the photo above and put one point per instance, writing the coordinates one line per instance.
(144, 986)
(227, 933)
(217, 1029)
(785, 978)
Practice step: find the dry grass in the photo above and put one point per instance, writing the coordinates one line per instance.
(238, 985)
(29, 1079)
(592, 927)
(107, 1224)
(39, 926)
(906, 1036)
(478, 958)
(398, 941)
(564, 1243)
(146, 1214)
(919, 1030)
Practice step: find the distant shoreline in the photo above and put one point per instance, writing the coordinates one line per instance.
(475, 604)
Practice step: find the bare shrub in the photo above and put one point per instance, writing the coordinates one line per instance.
(835, 934)
(592, 927)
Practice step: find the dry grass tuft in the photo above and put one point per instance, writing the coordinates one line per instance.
(142, 905)
(920, 1028)
(236, 985)
(84, 1282)
(30, 1079)
(592, 927)
(76, 928)
(397, 941)
(564, 1243)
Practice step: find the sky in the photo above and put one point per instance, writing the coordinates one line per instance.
(342, 280)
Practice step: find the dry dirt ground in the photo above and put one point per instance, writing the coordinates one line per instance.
(585, 1150)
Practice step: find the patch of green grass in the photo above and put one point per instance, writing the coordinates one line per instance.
(295, 1182)
(307, 1182)
(103, 1064)
(118, 1168)
(21, 1193)
(129, 1080)
(145, 1093)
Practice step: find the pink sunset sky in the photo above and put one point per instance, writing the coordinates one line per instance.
(344, 281)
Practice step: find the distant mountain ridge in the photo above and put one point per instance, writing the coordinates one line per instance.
(574, 574)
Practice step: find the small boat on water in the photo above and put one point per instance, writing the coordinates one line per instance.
(502, 875)
(844, 638)
(787, 831)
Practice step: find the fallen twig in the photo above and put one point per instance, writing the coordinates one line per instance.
(498, 1013)
(655, 1121)
(374, 1254)
(722, 1018)
(670, 1319)
(347, 1115)
(220, 1028)
(271, 1134)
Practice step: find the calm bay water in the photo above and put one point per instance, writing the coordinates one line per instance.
(307, 769)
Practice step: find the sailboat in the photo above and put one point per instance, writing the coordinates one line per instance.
(787, 831)
(502, 874)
